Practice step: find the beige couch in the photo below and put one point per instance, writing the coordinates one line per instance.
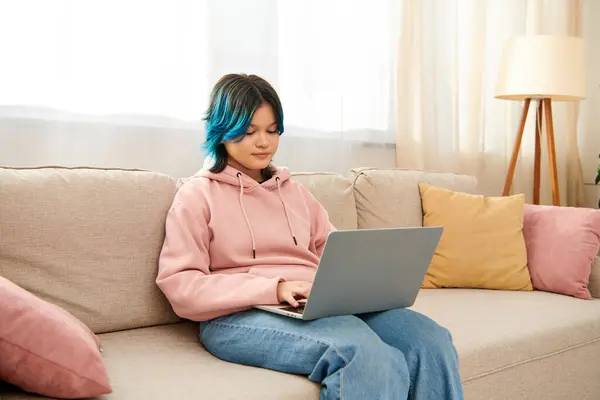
(88, 240)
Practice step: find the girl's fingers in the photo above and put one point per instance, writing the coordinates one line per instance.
(301, 289)
(291, 300)
(302, 292)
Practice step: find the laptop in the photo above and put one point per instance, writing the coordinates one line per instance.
(367, 270)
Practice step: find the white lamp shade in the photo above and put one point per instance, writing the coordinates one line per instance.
(542, 66)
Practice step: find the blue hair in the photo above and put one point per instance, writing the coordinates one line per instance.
(233, 101)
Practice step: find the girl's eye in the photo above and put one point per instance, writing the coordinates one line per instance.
(249, 133)
(275, 131)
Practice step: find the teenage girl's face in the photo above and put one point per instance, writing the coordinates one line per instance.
(256, 150)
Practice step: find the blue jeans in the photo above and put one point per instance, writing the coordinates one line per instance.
(396, 354)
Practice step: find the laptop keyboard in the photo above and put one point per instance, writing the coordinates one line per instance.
(297, 310)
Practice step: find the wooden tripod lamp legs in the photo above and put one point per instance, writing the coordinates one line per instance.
(516, 149)
(552, 152)
(543, 105)
(538, 152)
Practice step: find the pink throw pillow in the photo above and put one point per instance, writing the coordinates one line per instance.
(46, 350)
(562, 243)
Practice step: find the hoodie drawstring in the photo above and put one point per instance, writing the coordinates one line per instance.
(287, 216)
(285, 209)
(239, 175)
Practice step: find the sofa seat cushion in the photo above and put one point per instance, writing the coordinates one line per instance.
(168, 362)
(496, 333)
(497, 330)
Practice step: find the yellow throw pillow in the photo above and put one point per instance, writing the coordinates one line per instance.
(482, 245)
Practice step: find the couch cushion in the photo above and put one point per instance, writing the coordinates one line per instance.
(502, 339)
(45, 349)
(594, 284)
(87, 240)
(571, 374)
(168, 362)
(482, 245)
(498, 330)
(387, 198)
(560, 260)
(334, 192)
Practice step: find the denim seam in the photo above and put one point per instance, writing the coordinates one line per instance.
(288, 333)
(342, 382)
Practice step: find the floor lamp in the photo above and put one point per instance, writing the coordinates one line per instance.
(543, 68)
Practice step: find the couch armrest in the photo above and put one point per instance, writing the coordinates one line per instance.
(594, 285)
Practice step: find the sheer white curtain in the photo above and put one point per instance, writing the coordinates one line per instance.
(448, 118)
(448, 57)
(125, 83)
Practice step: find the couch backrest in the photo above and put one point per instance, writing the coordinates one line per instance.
(335, 193)
(87, 240)
(388, 198)
(594, 284)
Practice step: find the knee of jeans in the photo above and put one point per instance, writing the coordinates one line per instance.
(363, 347)
(434, 340)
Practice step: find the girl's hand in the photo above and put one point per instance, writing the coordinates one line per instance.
(289, 291)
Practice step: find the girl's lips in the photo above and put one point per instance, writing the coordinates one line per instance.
(261, 155)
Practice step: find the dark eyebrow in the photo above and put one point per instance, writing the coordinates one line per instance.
(271, 124)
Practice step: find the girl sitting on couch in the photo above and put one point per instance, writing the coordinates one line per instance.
(241, 233)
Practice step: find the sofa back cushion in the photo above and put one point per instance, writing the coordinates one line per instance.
(87, 240)
(334, 192)
(387, 198)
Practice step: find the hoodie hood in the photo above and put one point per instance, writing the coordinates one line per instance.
(233, 177)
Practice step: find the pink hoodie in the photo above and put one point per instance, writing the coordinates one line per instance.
(230, 240)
